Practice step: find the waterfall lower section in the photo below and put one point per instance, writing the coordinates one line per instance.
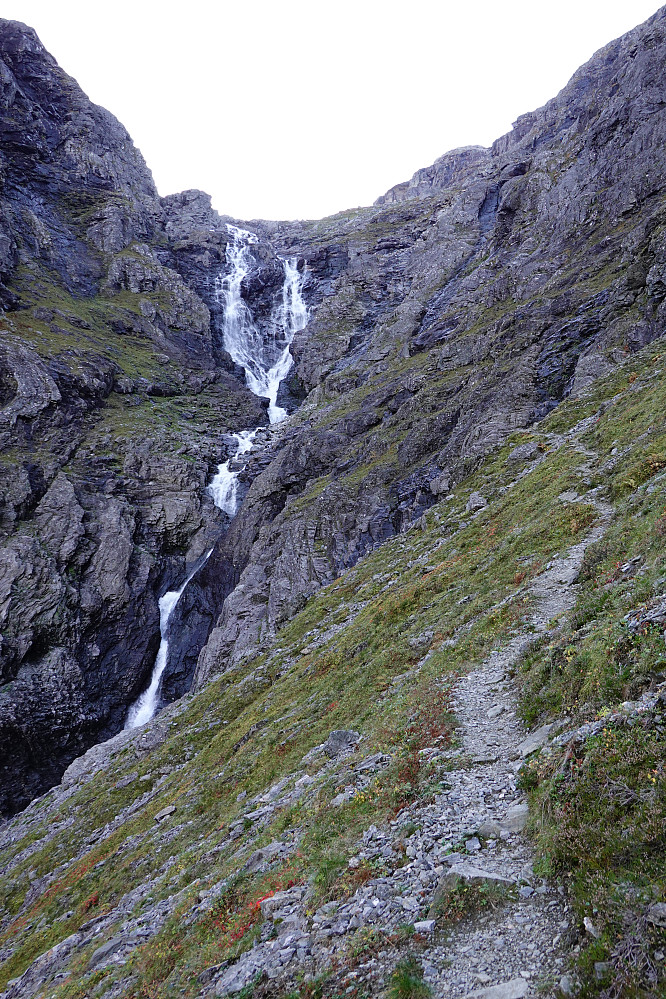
(145, 706)
(264, 355)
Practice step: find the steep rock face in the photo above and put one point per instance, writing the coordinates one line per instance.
(114, 398)
(467, 303)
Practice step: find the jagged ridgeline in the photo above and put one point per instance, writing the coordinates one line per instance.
(301, 523)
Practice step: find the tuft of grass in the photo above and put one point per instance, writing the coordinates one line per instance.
(406, 981)
(466, 899)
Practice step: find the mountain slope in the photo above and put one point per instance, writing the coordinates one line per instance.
(477, 409)
(464, 306)
(236, 769)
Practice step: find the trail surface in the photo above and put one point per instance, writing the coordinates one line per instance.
(515, 950)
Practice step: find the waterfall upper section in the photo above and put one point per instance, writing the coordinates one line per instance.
(260, 345)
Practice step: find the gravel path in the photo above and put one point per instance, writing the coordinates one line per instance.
(512, 951)
(473, 829)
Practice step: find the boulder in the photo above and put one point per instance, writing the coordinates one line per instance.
(516, 817)
(524, 452)
(535, 740)
(341, 741)
(476, 502)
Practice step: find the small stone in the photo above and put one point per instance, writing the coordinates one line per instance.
(566, 985)
(472, 845)
(425, 926)
(526, 891)
(591, 928)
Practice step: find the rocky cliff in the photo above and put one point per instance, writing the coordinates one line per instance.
(465, 304)
(469, 478)
(115, 401)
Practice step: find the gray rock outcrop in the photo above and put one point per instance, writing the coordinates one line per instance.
(464, 305)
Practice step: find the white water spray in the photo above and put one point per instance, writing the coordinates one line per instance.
(264, 357)
(224, 487)
(145, 706)
(266, 361)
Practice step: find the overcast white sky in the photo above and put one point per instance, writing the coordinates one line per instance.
(302, 108)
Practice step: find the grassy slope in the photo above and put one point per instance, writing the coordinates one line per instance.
(348, 661)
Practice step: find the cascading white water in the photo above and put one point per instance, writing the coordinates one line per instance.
(145, 706)
(264, 357)
(266, 361)
(224, 486)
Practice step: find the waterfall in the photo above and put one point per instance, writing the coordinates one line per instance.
(145, 706)
(266, 360)
(224, 487)
(265, 356)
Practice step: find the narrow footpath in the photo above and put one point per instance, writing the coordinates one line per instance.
(520, 947)
(472, 835)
